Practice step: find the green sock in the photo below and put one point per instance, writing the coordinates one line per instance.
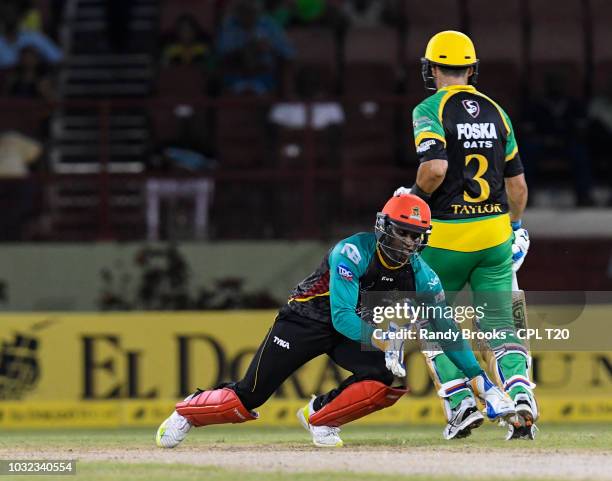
(447, 371)
(513, 364)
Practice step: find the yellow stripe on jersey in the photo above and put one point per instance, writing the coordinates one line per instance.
(429, 135)
(512, 154)
(470, 236)
(449, 92)
(304, 299)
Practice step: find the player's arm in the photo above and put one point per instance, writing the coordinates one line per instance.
(430, 143)
(429, 176)
(344, 295)
(516, 186)
(516, 191)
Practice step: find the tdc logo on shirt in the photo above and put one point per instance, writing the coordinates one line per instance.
(345, 272)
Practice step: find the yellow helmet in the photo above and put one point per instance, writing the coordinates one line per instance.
(449, 49)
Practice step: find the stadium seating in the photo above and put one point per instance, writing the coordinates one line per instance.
(240, 135)
(557, 42)
(426, 20)
(601, 14)
(371, 60)
(203, 11)
(495, 28)
(316, 46)
(191, 79)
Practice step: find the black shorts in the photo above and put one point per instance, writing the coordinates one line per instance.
(294, 340)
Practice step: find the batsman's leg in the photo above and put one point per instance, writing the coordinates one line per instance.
(459, 405)
(510, 360)
(458, 401)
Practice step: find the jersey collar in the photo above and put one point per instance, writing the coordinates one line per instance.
(458, 88)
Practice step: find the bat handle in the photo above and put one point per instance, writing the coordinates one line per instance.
(515, 286)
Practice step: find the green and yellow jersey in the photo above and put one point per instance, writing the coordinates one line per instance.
(474, 134)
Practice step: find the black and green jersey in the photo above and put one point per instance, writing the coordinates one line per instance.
(473, 133)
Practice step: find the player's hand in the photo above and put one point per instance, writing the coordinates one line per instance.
(392, 344)
(402, 191)
(394, 353)
(520, 247)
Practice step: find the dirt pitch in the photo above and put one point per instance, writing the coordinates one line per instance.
(430, 461)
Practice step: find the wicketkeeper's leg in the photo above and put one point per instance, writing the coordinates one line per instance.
(365, 391)
(290, 343)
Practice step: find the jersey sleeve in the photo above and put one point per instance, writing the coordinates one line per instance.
(346, 265)
(514, 165)
(429, 137)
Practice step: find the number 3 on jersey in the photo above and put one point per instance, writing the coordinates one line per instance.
(485, 189)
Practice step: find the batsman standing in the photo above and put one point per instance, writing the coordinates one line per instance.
(471, 176)
(325, 315)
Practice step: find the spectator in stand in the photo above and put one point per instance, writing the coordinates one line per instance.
(17, 153)
(369, 13)
(188, 45)
(281, 11)
(555, 125)
(324, 13)
(31, 78)
(311, 11)
(31, 18)
(252, 49)
(13, 40)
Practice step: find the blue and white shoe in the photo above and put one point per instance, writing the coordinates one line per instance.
(498, 404)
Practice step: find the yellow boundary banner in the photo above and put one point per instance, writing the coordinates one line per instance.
(114, 414)
(128, 369)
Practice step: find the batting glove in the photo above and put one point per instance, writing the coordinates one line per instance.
(402, 191)
(520, 247)
(394, 352)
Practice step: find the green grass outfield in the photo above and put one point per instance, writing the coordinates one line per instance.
(556, 438)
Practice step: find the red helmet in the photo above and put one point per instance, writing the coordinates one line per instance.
(403, 226)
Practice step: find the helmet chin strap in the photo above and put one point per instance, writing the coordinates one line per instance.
(383, 250)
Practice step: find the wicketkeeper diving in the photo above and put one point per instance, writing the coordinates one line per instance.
(325, 315)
